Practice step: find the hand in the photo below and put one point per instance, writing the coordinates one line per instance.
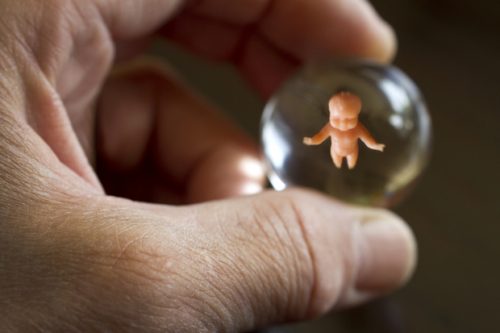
(378, 146)
(307, 141)
(105, 263)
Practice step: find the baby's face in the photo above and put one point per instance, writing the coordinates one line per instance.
(344, 114)
(343, 123)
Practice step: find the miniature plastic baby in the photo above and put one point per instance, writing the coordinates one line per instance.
(344, 129)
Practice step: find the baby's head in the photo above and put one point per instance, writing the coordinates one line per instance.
(344, 111)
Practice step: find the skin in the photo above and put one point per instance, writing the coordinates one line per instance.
(161, 254)
(345, 130)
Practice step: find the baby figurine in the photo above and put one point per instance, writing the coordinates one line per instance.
(344, 129)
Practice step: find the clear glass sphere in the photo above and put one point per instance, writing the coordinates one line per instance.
(393, 111)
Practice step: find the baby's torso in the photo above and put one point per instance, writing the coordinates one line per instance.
(344, 142)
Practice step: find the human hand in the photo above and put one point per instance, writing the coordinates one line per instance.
(74, 259)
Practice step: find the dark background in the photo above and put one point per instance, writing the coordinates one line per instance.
(451, 48)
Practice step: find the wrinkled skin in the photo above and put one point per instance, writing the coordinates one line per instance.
(74, 259)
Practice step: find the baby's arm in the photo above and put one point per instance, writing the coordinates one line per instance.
(319, 137)
(368, 139)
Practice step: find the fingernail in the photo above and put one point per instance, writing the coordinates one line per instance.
(387, 255)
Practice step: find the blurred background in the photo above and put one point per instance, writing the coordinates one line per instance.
(451, 48)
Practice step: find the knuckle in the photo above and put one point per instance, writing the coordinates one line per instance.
(258, 271)
(280, 218)
(326, 234)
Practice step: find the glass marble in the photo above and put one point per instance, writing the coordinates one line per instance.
(393, 111)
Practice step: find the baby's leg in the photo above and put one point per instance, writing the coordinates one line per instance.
(337, 159)
(352, 158)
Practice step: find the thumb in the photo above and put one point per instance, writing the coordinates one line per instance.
(290, 256)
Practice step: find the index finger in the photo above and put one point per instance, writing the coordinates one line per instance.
(265, 38)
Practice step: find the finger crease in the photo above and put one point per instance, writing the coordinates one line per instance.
(310, 252)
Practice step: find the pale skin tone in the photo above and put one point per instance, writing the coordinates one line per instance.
(158, 255)
(344, 129)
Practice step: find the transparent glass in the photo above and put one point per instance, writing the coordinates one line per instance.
(393, 111)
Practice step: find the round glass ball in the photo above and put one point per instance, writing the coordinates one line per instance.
(393, 111)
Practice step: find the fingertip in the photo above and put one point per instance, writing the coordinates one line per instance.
(125, 119)
(386, 258)
(377, 38)
(412, 248)
(384, 45)
(228, 171)
(388, 253)
(329, 28)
